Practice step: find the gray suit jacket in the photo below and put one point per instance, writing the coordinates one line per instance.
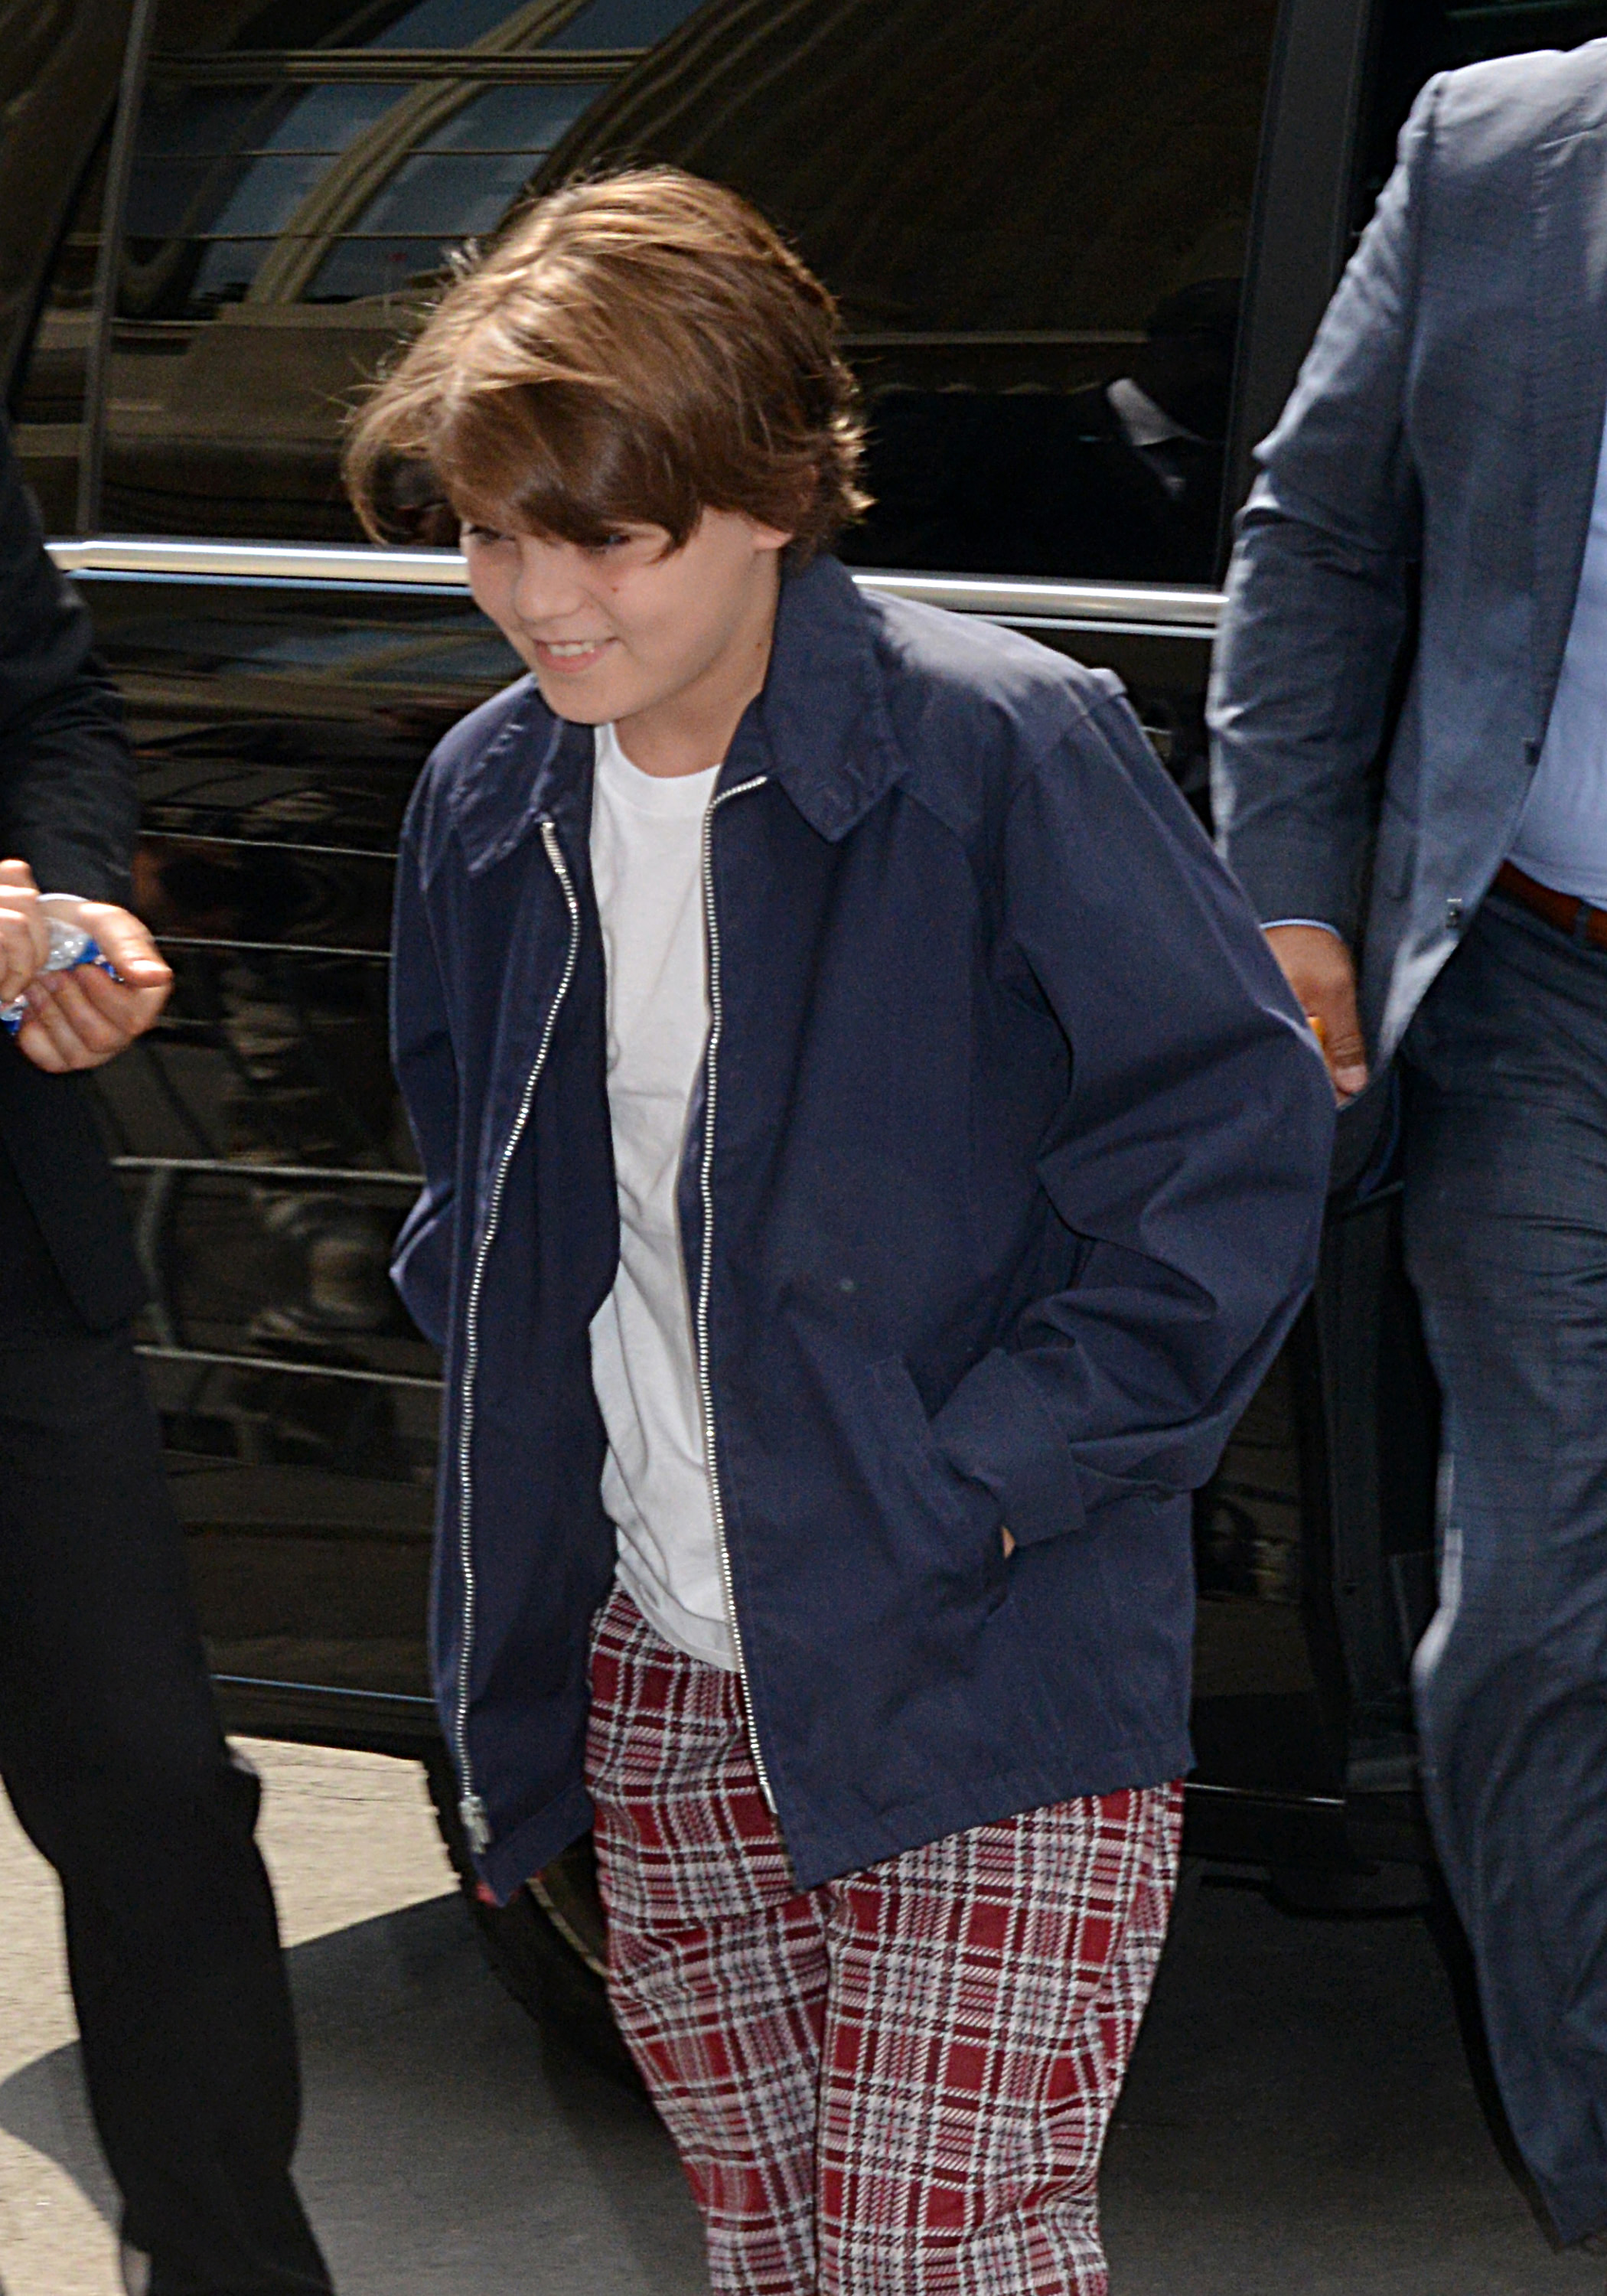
(1448, 419)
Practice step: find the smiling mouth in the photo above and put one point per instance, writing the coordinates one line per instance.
(570, 654)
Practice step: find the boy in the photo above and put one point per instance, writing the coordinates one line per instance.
(869, 1159)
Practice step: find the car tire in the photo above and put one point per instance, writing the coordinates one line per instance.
(548, 1944)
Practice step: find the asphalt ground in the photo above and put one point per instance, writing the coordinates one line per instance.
(1301, 2116)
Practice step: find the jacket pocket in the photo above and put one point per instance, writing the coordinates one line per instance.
(963, 1523)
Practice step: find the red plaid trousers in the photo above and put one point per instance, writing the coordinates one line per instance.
(897, 2084)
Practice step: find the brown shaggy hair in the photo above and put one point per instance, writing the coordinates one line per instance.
(638, 348)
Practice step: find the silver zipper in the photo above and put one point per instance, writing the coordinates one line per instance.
(706, 1278)
(470, 1808)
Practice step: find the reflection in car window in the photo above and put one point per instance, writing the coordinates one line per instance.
(621, 24)
(48, 405)
(231, 180)
(1033, 213)
(458, 182)
(220, 176)
(441, 24)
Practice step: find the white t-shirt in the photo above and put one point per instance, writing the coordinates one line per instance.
(646, 850)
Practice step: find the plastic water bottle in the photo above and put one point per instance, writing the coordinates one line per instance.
(69, 945)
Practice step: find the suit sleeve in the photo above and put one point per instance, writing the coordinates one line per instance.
(67, 786)
(426, 1071)
(1191, 1162)
(1318, 589)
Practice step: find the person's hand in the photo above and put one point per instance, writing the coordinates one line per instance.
(1318, 968)
(24, 935)
(82, 1018)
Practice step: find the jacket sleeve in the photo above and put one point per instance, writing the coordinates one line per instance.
(1318, 589)
(67, 785)
(1191, 1161)
(426, 1069)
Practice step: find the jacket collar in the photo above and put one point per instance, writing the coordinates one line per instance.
(822, 716)
(820, 728)
(535, 764)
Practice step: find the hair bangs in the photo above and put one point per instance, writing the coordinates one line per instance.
(561, 460)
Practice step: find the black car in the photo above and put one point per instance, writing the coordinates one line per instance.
(1080, 246)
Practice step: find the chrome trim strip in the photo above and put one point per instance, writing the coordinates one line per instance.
(1263, 1797)
(275, 1175)
(275, 947)
(387, 856)
(326, 1690)
(1158, 607)
(225, 1362)
(262, 562)
(1190, 613)
(251, 68)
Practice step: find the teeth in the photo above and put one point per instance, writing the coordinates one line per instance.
(573, 646)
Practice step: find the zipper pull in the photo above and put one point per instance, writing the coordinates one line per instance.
(472, 1817)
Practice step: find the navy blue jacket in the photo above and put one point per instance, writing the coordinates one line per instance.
(1002, 1186)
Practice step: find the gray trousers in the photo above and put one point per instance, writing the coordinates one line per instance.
(1506, 1242)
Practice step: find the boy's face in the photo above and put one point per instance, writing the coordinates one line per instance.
(670, 645)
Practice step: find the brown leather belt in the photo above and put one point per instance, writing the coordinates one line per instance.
(1569, 914)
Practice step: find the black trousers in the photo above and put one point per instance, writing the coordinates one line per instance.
(1506, 1242)
(112, 1753)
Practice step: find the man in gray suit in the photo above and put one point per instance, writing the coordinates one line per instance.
(1434, 501)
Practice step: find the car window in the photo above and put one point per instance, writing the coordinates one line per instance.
(1412, 39)
(1033, 213)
